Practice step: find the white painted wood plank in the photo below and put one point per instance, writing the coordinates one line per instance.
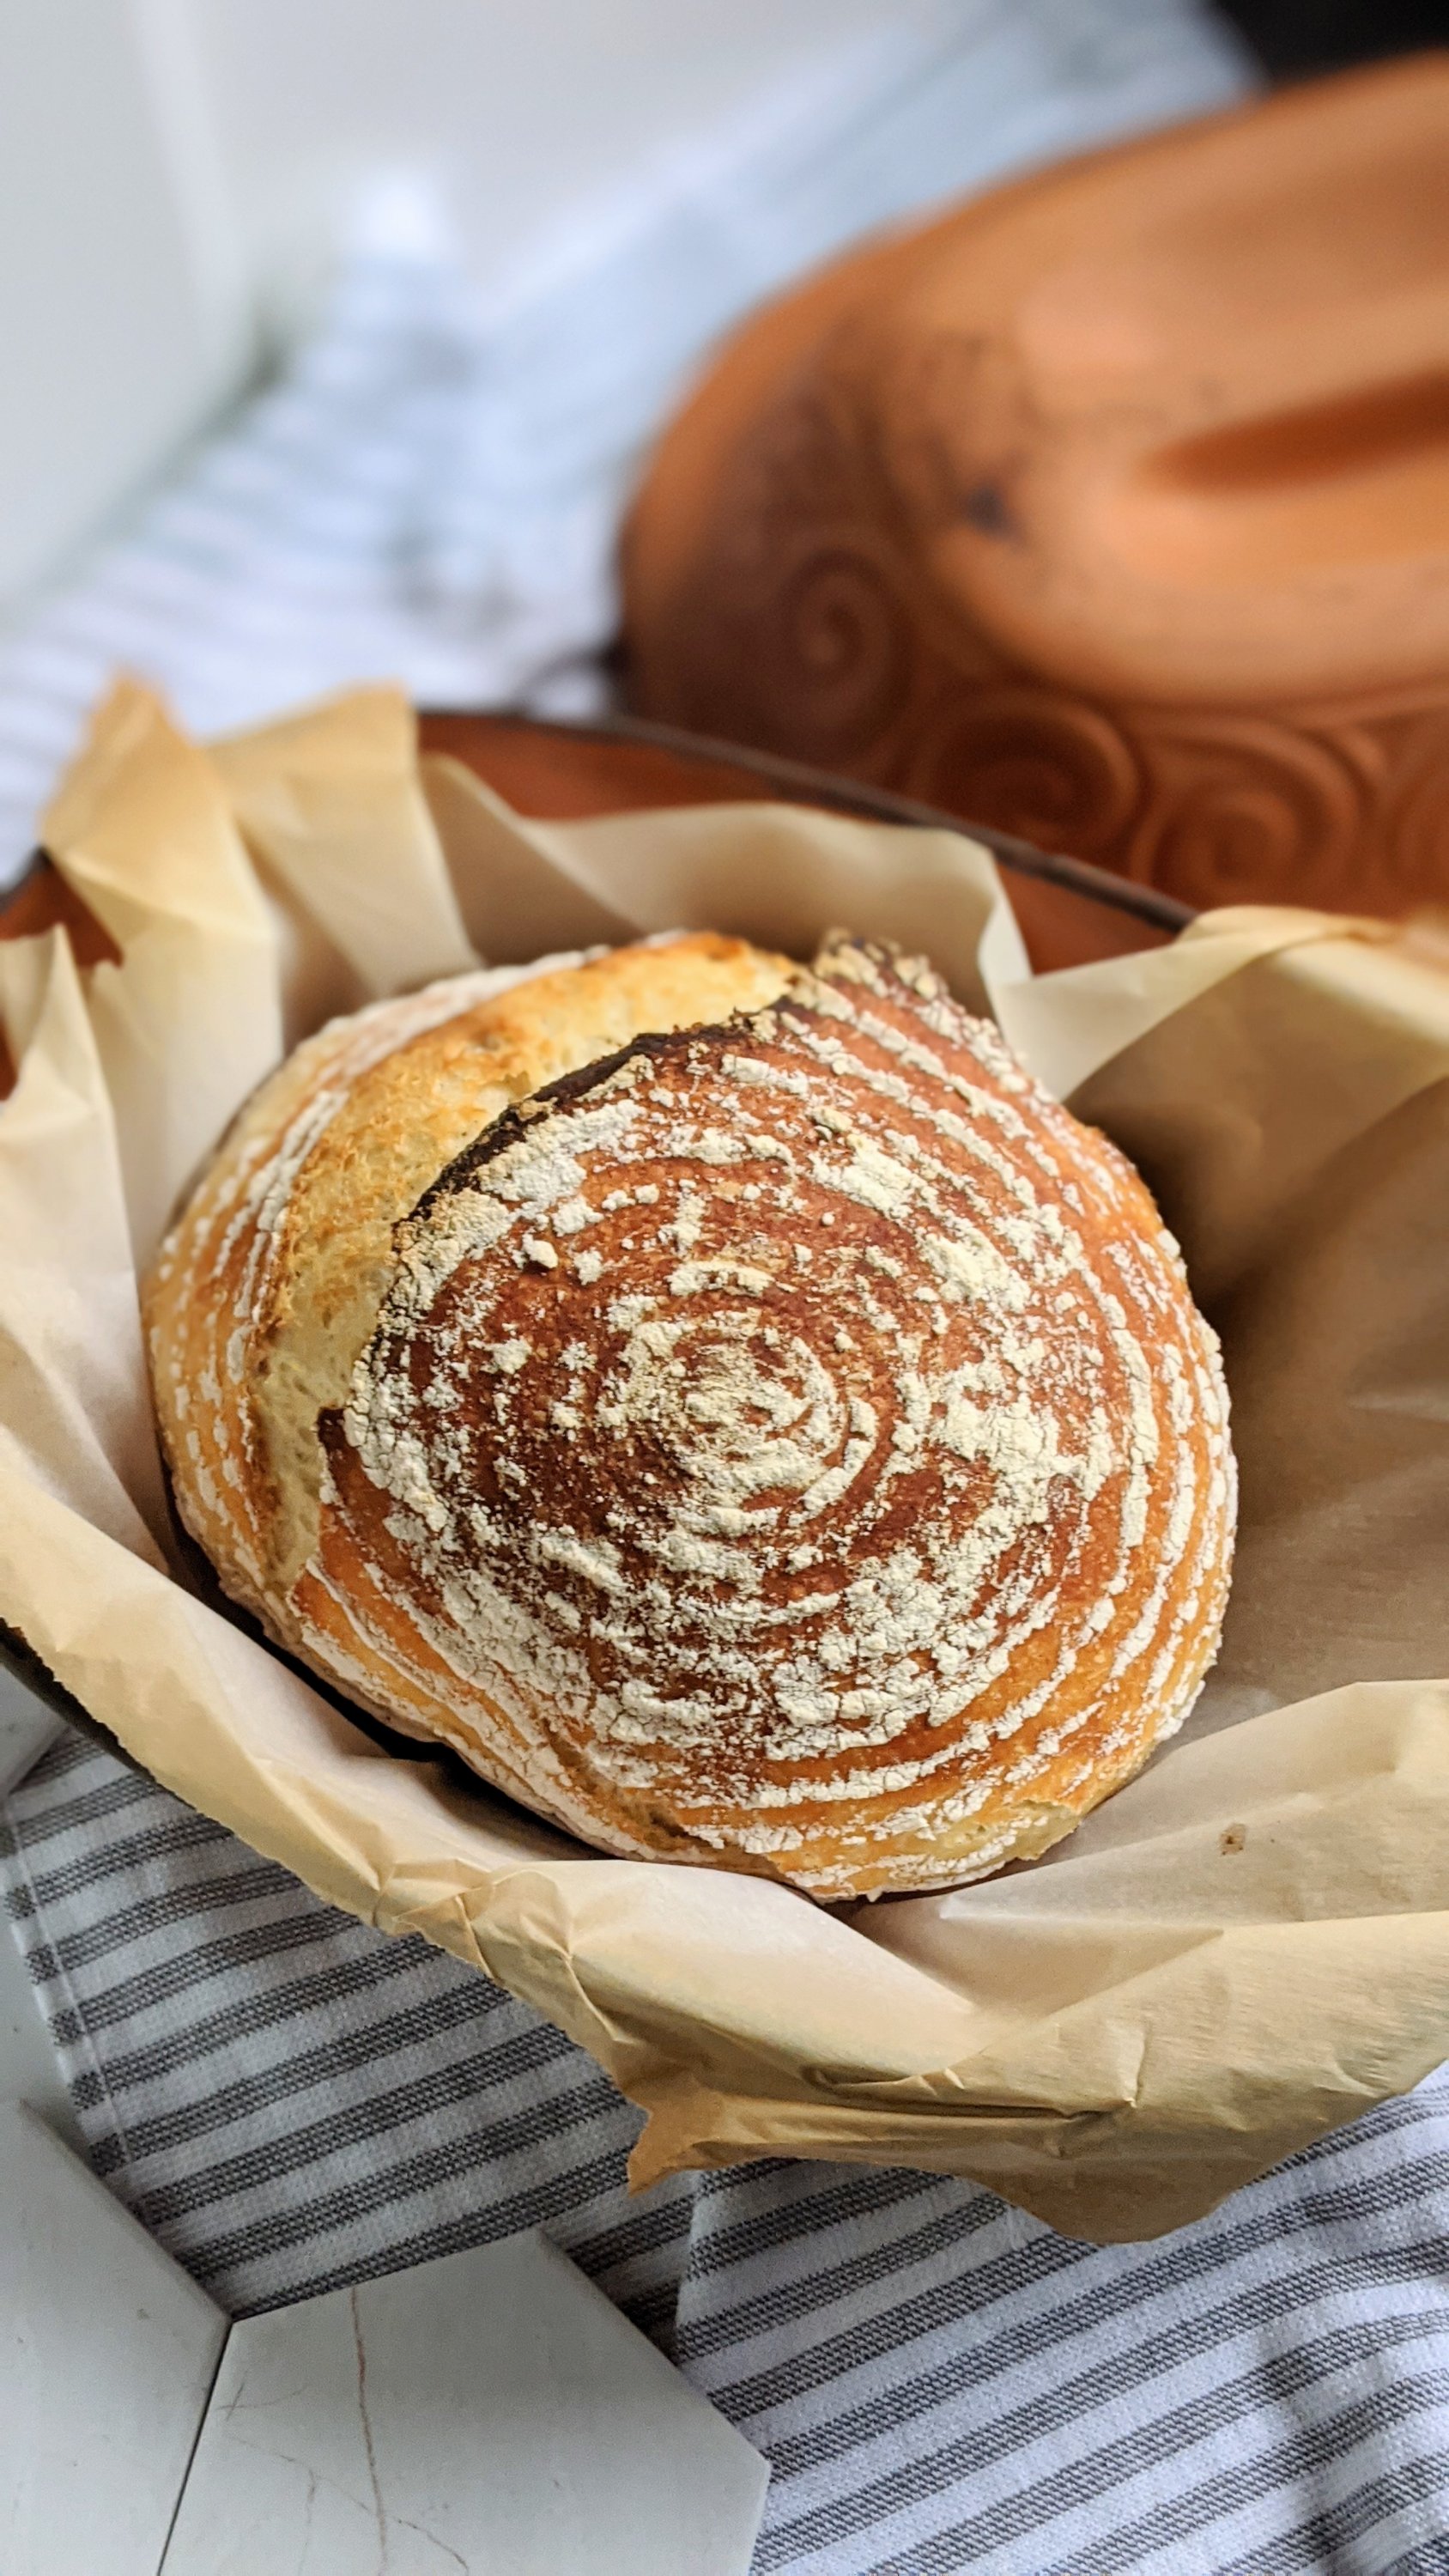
(120, 335)
(490, 2412)
(26, 1727)
(107, 2355)
(29, 2069)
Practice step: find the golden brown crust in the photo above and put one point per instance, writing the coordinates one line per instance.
(270, 1283)
(787, 1443)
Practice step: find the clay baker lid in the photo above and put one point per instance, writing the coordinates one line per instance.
(1111, 509)
(1169, 423)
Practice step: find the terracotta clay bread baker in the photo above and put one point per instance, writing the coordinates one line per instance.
(729, 1403)
(1111, 508)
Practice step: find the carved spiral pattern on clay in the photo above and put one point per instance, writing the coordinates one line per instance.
(1415, 818)
(836, 641)
(1059, 773)
(790, 1445)
(1245, 811)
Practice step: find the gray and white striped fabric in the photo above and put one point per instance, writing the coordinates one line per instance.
(290, 2101)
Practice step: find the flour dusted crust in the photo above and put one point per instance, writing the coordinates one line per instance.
(263, 1297)
(779, 1436)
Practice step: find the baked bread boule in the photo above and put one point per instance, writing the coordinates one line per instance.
(733, 1405)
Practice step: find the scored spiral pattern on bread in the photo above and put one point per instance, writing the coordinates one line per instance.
(790, 1444)
(268, 1286)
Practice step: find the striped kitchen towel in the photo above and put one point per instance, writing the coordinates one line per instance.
(290, 2101)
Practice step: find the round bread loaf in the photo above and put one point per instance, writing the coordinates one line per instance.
(779, 1436)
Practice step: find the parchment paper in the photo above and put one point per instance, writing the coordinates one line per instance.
(1247, 1945)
